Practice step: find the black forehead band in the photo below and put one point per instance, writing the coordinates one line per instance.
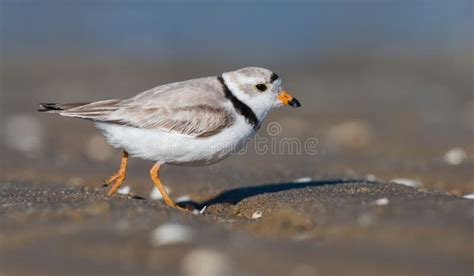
(274, 77)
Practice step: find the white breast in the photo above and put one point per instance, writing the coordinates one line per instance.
(174, 148)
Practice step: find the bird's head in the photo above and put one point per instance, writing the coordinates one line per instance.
(259, 88)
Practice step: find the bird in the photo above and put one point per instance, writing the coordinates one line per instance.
(195, 122)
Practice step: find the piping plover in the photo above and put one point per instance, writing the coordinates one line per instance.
(194, 122)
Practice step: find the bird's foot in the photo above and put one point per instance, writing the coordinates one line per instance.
(111, 179)
(117, 179)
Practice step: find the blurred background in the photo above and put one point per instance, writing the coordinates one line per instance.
(386, 86)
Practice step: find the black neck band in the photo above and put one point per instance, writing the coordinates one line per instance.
(241, 108)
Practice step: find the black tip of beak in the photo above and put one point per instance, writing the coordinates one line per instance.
(294, 103)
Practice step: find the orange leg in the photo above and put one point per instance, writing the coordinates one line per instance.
(119, 176)
(156, 180)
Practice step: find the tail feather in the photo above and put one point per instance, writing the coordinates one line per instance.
(57, 107)
(96, 111)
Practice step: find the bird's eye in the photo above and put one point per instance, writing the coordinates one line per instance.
(261, 87)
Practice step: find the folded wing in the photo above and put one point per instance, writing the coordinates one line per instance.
(193, 108)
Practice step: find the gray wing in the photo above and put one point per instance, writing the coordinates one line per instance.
(194, 108)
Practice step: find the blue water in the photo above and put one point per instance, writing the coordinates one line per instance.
(235, 28)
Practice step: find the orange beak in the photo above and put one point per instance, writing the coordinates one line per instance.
(287, 99)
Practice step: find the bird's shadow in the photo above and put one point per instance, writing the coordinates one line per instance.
(234, 196)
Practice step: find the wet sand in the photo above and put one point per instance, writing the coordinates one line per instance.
(322, 227)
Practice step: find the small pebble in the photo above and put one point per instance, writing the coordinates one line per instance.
(469, 196)
(302, 180)
(382, 201)
(171, 233)
(206, 262)
(257, 214)
(371, 177)
(365, 220)
(183, 198)
(124, 190)
(455, 156)
(407, 182)
(156, 195)
(200, 212)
